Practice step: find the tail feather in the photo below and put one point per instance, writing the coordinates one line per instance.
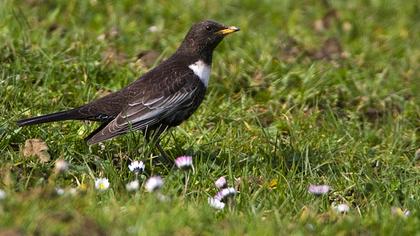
(59, 116)
(98, 137)
(97, 130)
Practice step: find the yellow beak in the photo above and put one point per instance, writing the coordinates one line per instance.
(228, 30)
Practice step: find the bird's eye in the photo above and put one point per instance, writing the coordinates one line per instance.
(208, 27)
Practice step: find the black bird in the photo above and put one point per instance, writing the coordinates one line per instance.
(162, 98)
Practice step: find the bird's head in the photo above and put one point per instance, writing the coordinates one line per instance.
(204, 36)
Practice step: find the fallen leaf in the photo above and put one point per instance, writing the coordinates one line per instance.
(38, 148)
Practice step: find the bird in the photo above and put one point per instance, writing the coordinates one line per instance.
(162, 98)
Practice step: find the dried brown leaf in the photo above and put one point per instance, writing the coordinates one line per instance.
(38, 148)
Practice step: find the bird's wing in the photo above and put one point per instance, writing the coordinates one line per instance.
(150, 106)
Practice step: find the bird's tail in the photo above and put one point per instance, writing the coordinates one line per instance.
(62, 115)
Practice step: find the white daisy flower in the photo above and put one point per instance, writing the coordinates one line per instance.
(221, 182)
(341, 208)
(59, 191)
(215, 203)
(132, 186)
(136, 166)
(61, 166)
(153, 29)
(102, 184)
(3, 194)
(318, 189)
(184, 162)
(225, 193)
(153, 183)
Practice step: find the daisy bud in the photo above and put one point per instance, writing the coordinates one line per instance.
(318, 189)
(153, 183)
(225, 194)
(221, 182)
(341, 208)
(61, 166)
(2, 194)
(59, 191)
(215, 203)
(153, 29)
(184, 162)
(132, 186)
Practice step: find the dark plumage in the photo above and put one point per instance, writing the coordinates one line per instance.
(162, 98)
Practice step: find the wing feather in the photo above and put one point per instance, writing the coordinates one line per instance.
(151, 107)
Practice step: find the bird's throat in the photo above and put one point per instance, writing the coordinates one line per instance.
(202, 70)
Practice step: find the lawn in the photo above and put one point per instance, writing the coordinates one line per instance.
(307, 93)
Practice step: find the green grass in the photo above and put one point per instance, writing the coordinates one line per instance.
(275, 118)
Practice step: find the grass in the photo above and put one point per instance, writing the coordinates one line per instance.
(281, 113)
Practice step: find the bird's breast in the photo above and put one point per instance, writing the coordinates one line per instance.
(202, 70)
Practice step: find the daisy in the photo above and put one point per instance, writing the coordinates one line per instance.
(153, 29)
(153, 183)
(61, 166)
(2, 194)
(341, 208)
(215, 203)
(225, 193)
(102, 184)
(184, 162)
(136, 166)
(132, 186)
(318, 189)
(221, 182)
(59, 191)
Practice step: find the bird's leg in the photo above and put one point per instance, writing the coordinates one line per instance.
(153, 136)
(165, 158)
